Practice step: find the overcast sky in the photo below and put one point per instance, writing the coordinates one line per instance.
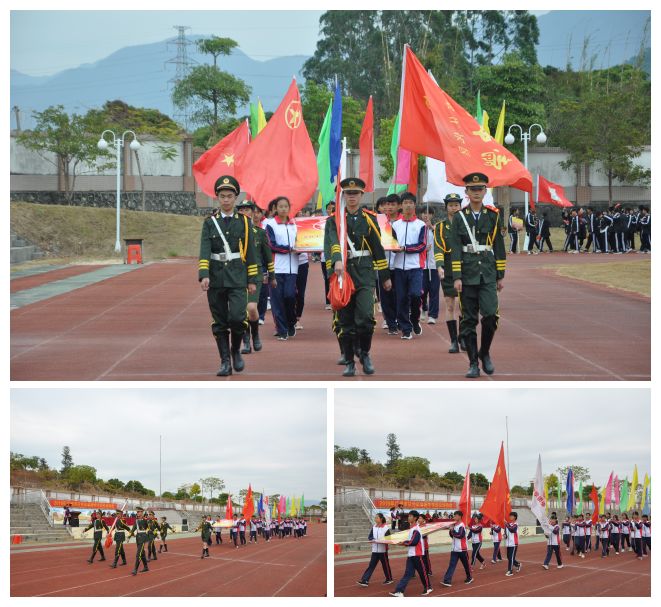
(601, 429)
(39, 48)
(274, 439)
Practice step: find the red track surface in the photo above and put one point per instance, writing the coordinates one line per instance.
(153, 324)
(27, 282)
(287, 567)
(622, 575)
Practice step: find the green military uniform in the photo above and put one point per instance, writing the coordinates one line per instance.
(140, 529)
(164, 527)
(356, 319)
(229, 268)
(98, 525)
(152, 533)
(120, 538)
(205, 528)
(478, 270)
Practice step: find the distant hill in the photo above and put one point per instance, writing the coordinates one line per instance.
(139, 75)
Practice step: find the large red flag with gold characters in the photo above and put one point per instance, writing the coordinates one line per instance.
(221, 159)
(366, 145)
(435, 125)
(281, 161)
(496, 504)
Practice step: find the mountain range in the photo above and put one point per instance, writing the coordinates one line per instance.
(142, 75)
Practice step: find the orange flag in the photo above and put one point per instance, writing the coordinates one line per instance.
(496, 504)
(465, 504)
(248, 505)
(594, 496)
(435, 125)
(281, 161)
(366, 146)
(221, 159)
(229, 513)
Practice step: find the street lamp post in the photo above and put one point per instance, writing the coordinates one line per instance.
(119, 144)
(525, 137)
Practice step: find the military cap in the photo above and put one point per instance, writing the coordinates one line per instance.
(453, 197)
(475, 179)
(138, 509)
(352, 184)
(227, 182)
(245, 204)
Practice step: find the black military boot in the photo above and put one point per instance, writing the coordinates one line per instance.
(223, 342)
(489, 324)
(237, 361)
(114, 564)
(342, 360)
(160, 549)
(254, 330)
(471, 348)
(245, 348)
(347, 345)
(365, 360)
(452, 330)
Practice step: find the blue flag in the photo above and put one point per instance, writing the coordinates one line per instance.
(570, 492)
(260, 505)
(336, 133)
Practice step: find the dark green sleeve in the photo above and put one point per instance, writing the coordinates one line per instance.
(251, 253)
(267, 257)
(439, 245)
(499, 250)
(376, 247)
(455, 245)
(205, 252)
(332, 251)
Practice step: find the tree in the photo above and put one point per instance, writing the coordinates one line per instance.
(208, 90)
(393, 452)
(323, 504)
(168, 495)
(408, 468)
(136, 487)
(519, 490)
(67, 461)
(114, 484)
(66, 137)
(346, 456)
(182, 493)
(76, 476)
(211, 484)
(194, 490)
(364, 457)
(479, 481)
(580, 473)
(454, 477)
(18, 461)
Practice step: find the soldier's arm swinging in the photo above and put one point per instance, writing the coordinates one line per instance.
(205, 255)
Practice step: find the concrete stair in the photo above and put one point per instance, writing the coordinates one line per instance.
(22, 250)
(352, 526)
(29, 521)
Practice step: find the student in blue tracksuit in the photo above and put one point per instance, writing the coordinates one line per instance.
(414, 561)
(281, 234)
(553, 544)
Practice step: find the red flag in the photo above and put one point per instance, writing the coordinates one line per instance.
(413, 174)
(465, 504)
(496, 504)
(281, 161)
(594, 496)
(228, 508)
(550, 192)
(221, 159)
(435, 125)
(366, 146)
(248, 506)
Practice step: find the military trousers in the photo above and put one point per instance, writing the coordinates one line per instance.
(357, 317)
(141, 545)
(476, 300)
(228, 309)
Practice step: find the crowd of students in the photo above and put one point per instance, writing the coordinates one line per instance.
(615, 533)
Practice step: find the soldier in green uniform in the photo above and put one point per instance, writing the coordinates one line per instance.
(163, 530)
(365, 254)
(205, 528)
(227, 266)
(140, 529)
(478, 268)
(152, 534)
(266, 272)
(443, 258)
(98, 525)
(120, 538)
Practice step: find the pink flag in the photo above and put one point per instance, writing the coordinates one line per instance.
(608, 492)
(403, 166)
(282, 504)
(616, 487)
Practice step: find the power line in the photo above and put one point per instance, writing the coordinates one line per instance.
(183, 64)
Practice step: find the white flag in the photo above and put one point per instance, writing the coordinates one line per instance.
(267, 510)
(538, 502)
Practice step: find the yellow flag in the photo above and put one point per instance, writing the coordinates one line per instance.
(485, 121)
(546, 496)
(646, 483)
(261, 117)
(500, 128)
(632, 491)
(602, 501)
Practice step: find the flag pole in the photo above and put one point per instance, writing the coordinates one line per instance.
(507, 443)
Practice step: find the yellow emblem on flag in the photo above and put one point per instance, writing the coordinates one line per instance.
(293, 114)
(495, 160)
(228, 160)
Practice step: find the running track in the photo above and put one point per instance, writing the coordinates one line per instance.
(153, 324)
(622, 576)
(287, 567)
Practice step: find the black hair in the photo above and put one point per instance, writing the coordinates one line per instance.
(459, 512)
(415, 514)
(393, 198)
(380, 516)
(514, 514)
(408, 196)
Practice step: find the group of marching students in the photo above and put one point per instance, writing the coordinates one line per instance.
(289, 527)
(615, 534)
(146, 528)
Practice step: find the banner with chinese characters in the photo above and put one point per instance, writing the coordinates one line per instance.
(310, 233)
(414, 504)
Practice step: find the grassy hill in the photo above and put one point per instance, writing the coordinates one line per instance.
(88, 234)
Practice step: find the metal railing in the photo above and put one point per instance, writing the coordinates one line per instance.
(356, 497)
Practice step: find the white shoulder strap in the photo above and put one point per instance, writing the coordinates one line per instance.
(226, 245)
(470, 233)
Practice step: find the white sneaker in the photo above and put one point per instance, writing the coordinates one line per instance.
(261, 321)
(327, 307)
(545, 567)
(560, 566)
(431, 320)
(384, 325)
(423, 316)
(396, 593)
(298, 326)
(268, 304)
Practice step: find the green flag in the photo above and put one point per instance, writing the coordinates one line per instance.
(579, 502)
(303, 504)
(253, 120)
(559, 493)
(325, 185)
(624, 495)
(478, 109)
(394, 145)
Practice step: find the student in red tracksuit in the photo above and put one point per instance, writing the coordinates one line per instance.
(414, 561)
(379, 552)
(553, 544)
(512, 543)
(459, 551)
